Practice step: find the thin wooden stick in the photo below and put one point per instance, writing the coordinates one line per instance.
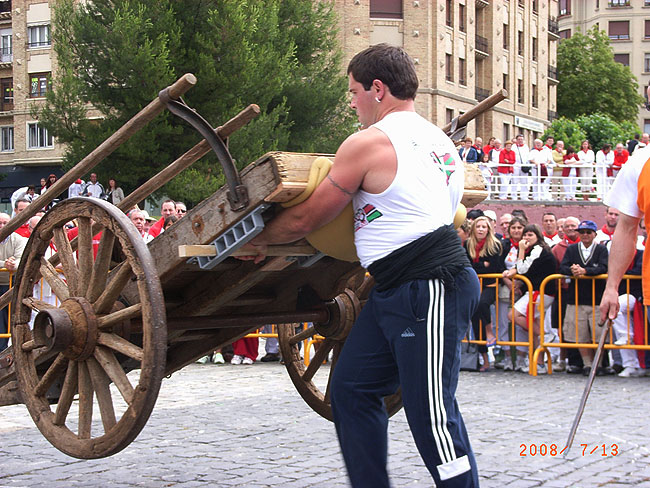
(301, 336)
(64, 250)
(119, 344)
(104, 399)
(67, 394)
(85, 252)
(119, 316)
(85, 402)
(119, 277)
(317, 360)
(114, 370)
(50, 274)
(50, 375)
(102, 263)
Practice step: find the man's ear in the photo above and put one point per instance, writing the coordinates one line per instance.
(379, 89)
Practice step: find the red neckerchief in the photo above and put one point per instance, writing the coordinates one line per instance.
(550, 147)
(547, 236)
(513, 243)
(605, 231)
(478, 249)
(569, 241)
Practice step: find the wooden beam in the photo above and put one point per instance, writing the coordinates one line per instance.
(186, 251)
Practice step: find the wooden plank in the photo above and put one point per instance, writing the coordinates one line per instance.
(287, 190)
(186, 251)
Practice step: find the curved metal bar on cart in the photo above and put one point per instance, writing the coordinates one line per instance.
(238, 193)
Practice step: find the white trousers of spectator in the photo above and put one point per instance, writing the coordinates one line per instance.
(586, 177)
(602, 184)
(625, 333)
(570, 185)
(505, 183)
(541, 189)
(521, 183)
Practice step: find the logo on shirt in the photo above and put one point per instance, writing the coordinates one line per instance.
(364, 215)
(446, 164)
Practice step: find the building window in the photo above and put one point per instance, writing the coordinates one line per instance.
(565, 34)
(622, 58)
(520, 91)
(534, 96)
(619, 3)
(506, 82)
(462, 72)
(506, 132)
(646, 3)
(449, 64)
(619, 29)
(39, 35)
(7, 134)
(646, 63)
(565, 7)
(449, 115)
(38, 137)
(449, 13)
(535, 6)
(646, 125)
(646, 34)
(7, 88)
(39, 84)
(506, 36)
(534, 49)
(520, 43)
(462, 18)
(6, 49)
(386, 9)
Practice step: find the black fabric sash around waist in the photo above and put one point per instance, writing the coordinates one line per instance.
(439, 254)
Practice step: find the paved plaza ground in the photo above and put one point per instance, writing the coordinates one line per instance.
(246, 426)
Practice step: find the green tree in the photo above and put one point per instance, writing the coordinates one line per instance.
(602, 129)
(567, 130)
(592, 82)
(115, 55)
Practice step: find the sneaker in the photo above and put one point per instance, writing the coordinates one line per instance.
(217, 358)
(270, 357)
(573, 369)
(247, 361)
(508, 366)
(203, 360)
(631, 372)
(541, 368)
(236, 359)
(521, 364)
(560, 366)
(501, 364)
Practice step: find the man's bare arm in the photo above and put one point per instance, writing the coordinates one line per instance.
(620, 256)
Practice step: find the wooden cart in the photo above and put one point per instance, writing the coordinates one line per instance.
(90, 370)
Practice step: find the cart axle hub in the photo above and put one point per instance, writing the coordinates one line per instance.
(71, 329)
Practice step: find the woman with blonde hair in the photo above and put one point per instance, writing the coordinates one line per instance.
(486, 254)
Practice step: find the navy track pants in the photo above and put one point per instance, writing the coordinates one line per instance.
(407, 336)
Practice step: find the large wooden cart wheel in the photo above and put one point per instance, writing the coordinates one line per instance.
(343, 311)
(78, 347)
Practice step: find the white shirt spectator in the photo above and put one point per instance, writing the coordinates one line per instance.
(76, 188)
(91, 189)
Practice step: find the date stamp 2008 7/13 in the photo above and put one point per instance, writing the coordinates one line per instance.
(552, 450)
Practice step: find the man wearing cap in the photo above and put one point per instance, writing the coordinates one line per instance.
(76, 188)
(584, 259)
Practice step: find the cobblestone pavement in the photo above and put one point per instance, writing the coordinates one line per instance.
(246, 426)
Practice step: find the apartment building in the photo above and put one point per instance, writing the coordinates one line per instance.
(27, 151)
(627, 23)
(464, 51)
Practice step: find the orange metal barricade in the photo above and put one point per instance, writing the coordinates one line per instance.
(307, 343)
(595, 315)
(527, 286)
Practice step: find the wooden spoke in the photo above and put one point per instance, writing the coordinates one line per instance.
(37, 305)
(119, 344)
(101, 385)
(52, 373)
(85, 252)
(102, 263)
(337, 350)
(85, 401)
(58, 286)
(67, 394)
(118, 280)
(301, 336)
(66, 256)
(317, 360)
(110, 364)
(119, 316)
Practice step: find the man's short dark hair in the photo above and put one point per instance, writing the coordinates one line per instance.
(31, 187)
(389, 64)
(475, 213)
(21, 200)
(549, 213)
(519, 213)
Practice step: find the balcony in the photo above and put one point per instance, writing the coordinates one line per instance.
(482, 3)
(553, 29)
(552, 115)
(5, 9)
(618, 3)
(481, 46)
(552, 74)
(481, 94)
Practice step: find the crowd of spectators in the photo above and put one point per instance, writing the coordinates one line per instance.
(511, 245)
(548, 170)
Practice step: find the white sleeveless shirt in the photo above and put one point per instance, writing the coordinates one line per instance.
(423, 196)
